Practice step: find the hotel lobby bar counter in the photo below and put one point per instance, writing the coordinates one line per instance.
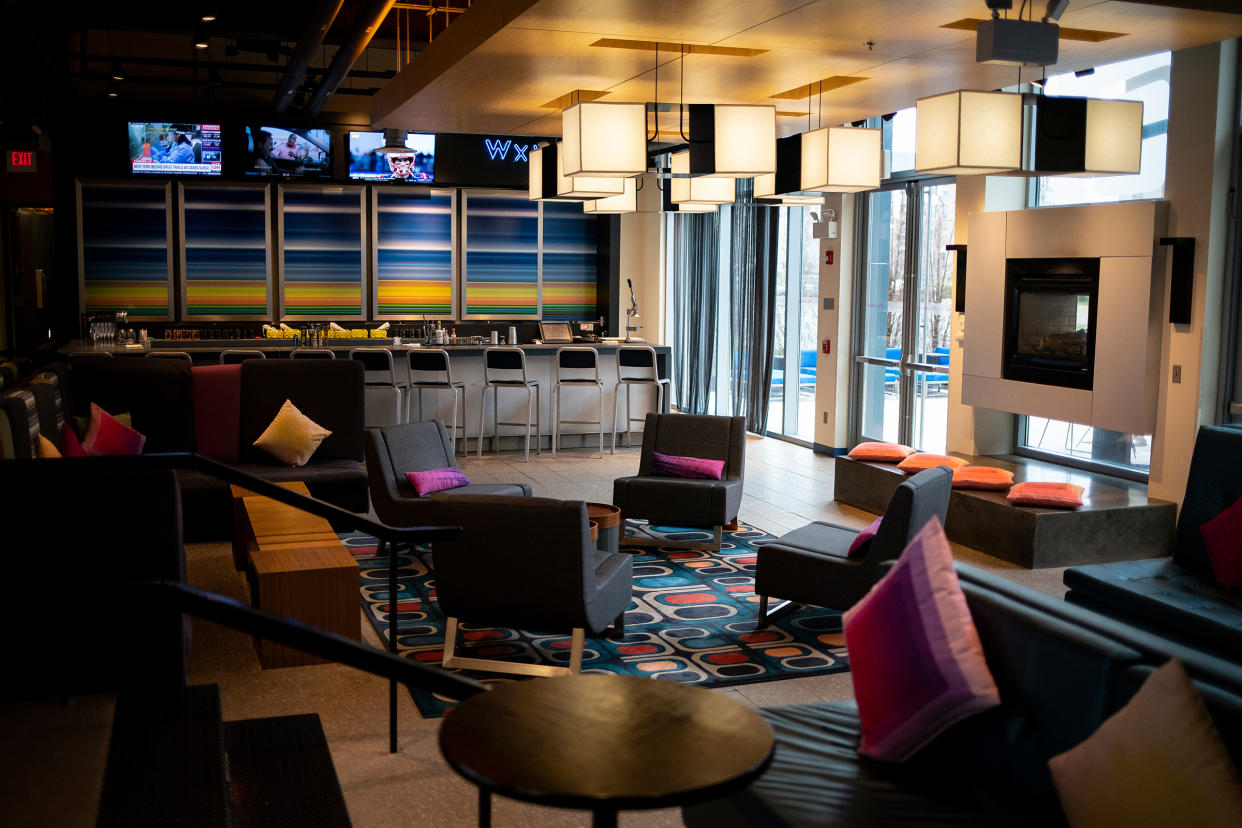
(577, 403)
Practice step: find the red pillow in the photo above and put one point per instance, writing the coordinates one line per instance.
(859, 547)
(1223, 537)
(982, 477)
(880, 452)
(1056, 495)
(69, 445)
(916, 463)
(436, 480)
(671, 465)
(107, 436)
(216, 391)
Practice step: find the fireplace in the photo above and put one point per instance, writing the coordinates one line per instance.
(1050, 313)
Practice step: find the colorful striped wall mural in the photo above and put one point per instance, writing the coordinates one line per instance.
(225, 258)
(413, 254)
(124, 249)
(502, 256)
(569, 262)
(322, 267)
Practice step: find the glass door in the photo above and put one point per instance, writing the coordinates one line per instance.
(791, 401)
(902, 342)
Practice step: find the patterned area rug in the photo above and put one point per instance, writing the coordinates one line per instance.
(692, 619)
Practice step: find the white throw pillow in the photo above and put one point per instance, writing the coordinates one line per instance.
(292, 437)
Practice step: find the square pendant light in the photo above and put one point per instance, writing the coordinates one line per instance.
(701, 190)
(969, 133)
(627, 202)
(788, 175)
(732, 140)
(606, 140)
(541, 166)
(1085, 136)
(667, 205)
(841, 159)
(583, 186)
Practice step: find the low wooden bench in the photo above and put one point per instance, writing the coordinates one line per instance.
(296, 567)
(1117, 521)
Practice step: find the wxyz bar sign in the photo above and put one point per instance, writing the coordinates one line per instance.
(499, 150)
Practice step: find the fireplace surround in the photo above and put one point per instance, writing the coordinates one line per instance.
(1050, 321)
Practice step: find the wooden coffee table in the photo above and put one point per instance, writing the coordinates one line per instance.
(296, 567)
(604, 743)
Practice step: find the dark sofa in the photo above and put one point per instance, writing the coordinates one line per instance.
(1178, 597)
(158, 394)
(1061, 671)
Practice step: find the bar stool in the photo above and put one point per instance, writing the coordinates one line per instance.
(576, 361)
(169, 355)
(380, 377)
(505, 361)
(232, 356)
(640, 360)
(434, 364)
(311, 353)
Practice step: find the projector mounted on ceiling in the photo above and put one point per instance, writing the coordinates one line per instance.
(1019, 42)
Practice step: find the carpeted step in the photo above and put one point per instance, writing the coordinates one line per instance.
(166, 761)
(282, 774)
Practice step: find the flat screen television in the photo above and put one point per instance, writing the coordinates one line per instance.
(416, 167)
(288, 153)
(174, 148)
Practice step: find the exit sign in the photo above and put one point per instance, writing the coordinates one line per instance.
(21, 161)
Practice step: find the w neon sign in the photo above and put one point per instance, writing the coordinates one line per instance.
(499, 150)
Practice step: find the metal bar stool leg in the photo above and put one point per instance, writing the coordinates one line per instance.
(538, 424)
(600, 389)
(530, 398)
(616, 404)
(629, 416)
(465, 448)
(556, 416)
(453, 392)
(495, 419)
(482, 413)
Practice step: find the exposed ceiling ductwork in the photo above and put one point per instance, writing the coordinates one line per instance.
(355, 44)
(317, 26)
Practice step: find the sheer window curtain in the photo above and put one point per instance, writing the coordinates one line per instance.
(753, 252)
(696, 283)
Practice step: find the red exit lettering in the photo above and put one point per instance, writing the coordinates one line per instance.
(22, 159)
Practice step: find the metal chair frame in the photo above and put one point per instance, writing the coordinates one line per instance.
(580, 382)
(250, 353)
(169, 355)
(385, 355)
(650, 376)
(532, 396)
(447, 384)
(311, 353)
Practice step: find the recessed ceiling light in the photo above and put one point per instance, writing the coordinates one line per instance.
(118, 74)
(114, 89)
(200, 38)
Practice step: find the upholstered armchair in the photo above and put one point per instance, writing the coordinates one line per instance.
(811, 565)
(528, 563)
(681, 501)
(394, 450)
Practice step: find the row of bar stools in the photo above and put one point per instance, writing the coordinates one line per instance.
(506, 368)
(436, 374)
(572, 365)
(636, 365)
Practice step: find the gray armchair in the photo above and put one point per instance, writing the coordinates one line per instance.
(394, 450)
(680, 501)
(530, 564)
(810, 565)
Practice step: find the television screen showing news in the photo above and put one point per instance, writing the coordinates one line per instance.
(174, 148)
(292, 153)
(415, 167)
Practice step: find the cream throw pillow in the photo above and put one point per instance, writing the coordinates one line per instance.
(292, 437)
(1158, 761)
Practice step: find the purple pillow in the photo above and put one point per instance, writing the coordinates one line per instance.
(670, 465)
(436, 480)
(859, 547)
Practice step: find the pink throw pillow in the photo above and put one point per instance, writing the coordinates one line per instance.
(1223, 537)
(670, 465)
(859, 547)
(105, 435)
(69, 445)
(915, 656)
(436, 480)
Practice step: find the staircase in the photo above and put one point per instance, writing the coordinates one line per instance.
(172, 760)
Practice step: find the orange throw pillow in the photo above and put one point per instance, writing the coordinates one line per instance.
(1062, 495)
(916, 463)
(881, 452)
(982, 477)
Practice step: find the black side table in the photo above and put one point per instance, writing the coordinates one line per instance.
(604, 743)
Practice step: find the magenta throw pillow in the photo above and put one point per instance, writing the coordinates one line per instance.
(1223, 537)
(216, 391)
(69, 445)
(915, 656)
(859, 547)
(436, 480)
(670, 465)
(105, 435)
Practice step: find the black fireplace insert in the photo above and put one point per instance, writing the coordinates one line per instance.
(1050, 310)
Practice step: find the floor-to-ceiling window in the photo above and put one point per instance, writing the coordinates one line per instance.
(903, 314)
(791, 403)
(1145, 79)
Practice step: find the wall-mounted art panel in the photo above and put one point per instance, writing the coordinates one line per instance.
(413, 248)
(124, 249)
(225, 244)
(501, 248)
(569, 262)
(323, 252)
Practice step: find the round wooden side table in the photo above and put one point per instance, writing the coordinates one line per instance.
(604, 743)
